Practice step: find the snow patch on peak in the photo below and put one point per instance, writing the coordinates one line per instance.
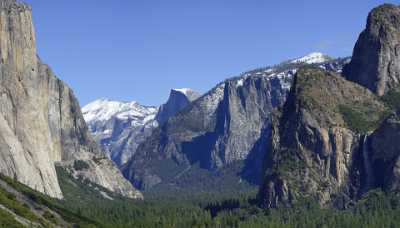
(189, 93)
(183, 90)
(240, 82)
(104, 109)
(312, 58)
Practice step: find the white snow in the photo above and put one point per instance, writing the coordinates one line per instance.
(240, 82)
(184, 90)
(211, 100)
(270, 70)
(315, 57)
(105, 109)
(149, 118)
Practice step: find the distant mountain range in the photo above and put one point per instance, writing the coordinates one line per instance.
(225, 129)
(121, 126)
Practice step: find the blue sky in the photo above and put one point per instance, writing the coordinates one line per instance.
(140, 49)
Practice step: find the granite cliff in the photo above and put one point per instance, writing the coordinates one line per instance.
(119, 127)
(41, 123)
(376, 57)
(336, 140)
(318, 144)
(221, 135)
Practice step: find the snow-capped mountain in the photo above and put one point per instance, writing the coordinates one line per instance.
(312, 58)
(189, 93)
(228, 125)
(104, 109)
(113, 122)
(121, 126)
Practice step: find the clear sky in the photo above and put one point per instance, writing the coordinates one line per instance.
(140, 49)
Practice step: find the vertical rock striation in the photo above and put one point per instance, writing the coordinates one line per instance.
(316, 144)
(376, 57)
(28, 150)
(40, 119)
(228, 127)
(177, 101)
(385, 154)
(121, 126)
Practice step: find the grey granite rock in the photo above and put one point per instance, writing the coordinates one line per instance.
(121, 126)
(376, 57)
(229, 124)
(384, 152)
(40, 119)
(318, 150)
(177, 101)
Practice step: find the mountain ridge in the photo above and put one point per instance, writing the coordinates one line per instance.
(316, 148)
(209, 120)
(120, 126)
(336, 139)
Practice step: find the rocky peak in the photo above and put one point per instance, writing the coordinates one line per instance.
(119, 126)
(376, 56)
(105, 109)
(177, 101)
(384, 16)
(189, 93)
(315, 148)
(228, 126)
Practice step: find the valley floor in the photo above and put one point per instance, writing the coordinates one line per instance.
(87, 205)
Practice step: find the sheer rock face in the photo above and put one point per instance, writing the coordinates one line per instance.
(385, 154)
(315, 152)
(223, 126)
(227, 127)
(40, 120)
(177, 101)
(121, 126)
(330, 143)
(376, 57)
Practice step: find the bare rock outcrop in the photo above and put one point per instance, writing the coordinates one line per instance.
(376, 57)
(317, 141)
(40, 119)
(224, 131)
(384, 149)
(177, 101)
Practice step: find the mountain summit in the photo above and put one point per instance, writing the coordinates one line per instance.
(118, 125)
(316, 148)
(121, 126)
(177, 101)
(376, 57)
(222, 134)
(336, 140)
(312, 58)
